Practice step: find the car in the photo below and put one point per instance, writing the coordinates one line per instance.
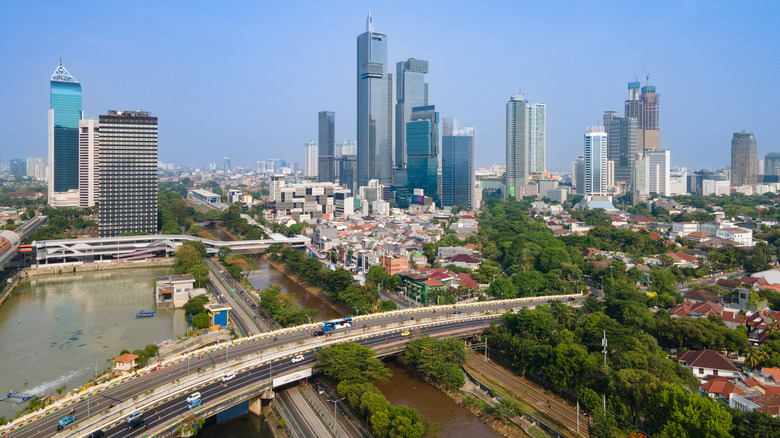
(254, 306)
(96, 434)
(228, 376)
(405, 333)
(64, 421)
(318, 333)
(193, 404)
(134, 419)
(194, 396)
(241, 292)
(571, 299)
(247, 298)
(457, 312)
(297, 358)
(320, 389)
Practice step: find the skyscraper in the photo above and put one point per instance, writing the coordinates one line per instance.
(458, 176)
(374, 109)
(89, 161)
(348, 172)
(644, 108)
(621, 145)
(411, 91)
(310, 163)
(744, 159)
(578, 175)
(36, 169)
(518, 137)
(596, 161)
(128, 173)
(64, 115)
(18, 167)
(771, 163)
(227, 165)
(327, 155)
(422, 147)
(538, 139)
(347, 147)
(658, 172)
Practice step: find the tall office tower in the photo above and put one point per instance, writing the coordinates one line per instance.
(621, 145)
(89, 162)
(227, 164)
(348, 172)
(639, 182)
(374, 109)
(744, 159)
(458, 176)
(578, 175)
(18, 167)
(411, 91)
(310, 160)
(644, 108)
(64, 115)
(422, 147)
(36, 169)
(128, 173)
(771, 163)
(538, 139)
(327, 153)
(518, 137)
(658, 172)
(596, 161)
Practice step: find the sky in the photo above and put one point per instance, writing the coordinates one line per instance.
(246, 79)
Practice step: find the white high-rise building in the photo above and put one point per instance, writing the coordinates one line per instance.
(596, 166)
(658, 175)
(639, 176)
(36, 169)
(346, 148)
(89, 153)
(538, 138)
(310, 155)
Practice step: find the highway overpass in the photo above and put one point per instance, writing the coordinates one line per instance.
(259, 363)
(141, 247)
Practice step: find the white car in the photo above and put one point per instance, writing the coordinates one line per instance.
(297, 358)
(194, 396)
(228, 376)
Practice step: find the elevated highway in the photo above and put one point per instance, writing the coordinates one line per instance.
(259, 363)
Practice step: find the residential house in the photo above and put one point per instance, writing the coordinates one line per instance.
(124, 364)
(705, 363)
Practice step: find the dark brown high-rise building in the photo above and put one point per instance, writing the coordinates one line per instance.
(644, 107)
(744, 159)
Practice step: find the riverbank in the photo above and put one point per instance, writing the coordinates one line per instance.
(319, 293)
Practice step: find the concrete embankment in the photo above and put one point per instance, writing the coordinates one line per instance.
(319, 293)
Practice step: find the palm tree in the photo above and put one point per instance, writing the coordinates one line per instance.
(754, 357)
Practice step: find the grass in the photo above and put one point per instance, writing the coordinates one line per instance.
(537, 432)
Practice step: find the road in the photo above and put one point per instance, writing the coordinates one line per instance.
(449, 318)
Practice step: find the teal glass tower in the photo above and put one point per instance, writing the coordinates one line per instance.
(458, 177)
(64, 115)
(422, 146)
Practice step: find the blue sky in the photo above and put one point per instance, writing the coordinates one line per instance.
(246, 79)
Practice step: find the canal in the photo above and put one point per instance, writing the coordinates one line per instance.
(56, 328)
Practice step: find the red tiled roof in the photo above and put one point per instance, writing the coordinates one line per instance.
(707, 359)
(465, 258)
(774, 372)
(469, 283)
(682, 256)
(433, 283)
(655, 236)
(722, 386)
(126, 358)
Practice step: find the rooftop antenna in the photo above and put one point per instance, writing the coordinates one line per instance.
(647, 75)
(369, 23)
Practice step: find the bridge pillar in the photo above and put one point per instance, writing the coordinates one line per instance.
(256, 404)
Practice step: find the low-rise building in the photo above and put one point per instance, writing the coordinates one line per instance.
(124, 364)
(173, 291)
(705, 363)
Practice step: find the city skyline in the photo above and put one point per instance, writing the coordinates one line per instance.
(471, 82)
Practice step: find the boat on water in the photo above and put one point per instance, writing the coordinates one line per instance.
(145, 314)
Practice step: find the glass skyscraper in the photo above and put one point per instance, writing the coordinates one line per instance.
(422, 140)
(374, 109)
(64, 115)
(518, 137)
(327, 145)
(411, 91)
(457, 164)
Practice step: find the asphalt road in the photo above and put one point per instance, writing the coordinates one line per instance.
(213, 387)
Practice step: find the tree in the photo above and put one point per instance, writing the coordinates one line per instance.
(224, 252)
(675, 413)
(755, 357)
(201, 320)
(351, 362)
(387, 306)
(195, 305)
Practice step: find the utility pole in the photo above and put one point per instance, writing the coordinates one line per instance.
(578, 417)
(486, 353)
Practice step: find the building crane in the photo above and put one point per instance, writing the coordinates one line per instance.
(647, 75)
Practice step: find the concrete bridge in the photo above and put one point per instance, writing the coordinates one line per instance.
(141, 247)
(258, 364)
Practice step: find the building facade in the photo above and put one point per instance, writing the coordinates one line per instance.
(458, 176)
(744, 159)
(36, 169)
(659, 172)
(18, 167)
(621, 145)
(374, 108)
(422, 142)
(538, 138)
(89, 161)
(310, 159)
(771, 164)
(348, 172)
(327, 147)
(596, 161)
(411, 91)
(517, 144)
(64, 115)
(128, 173)
(644, 104)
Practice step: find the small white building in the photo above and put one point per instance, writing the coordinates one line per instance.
(742, 236)
(705, 363)
(173, 291)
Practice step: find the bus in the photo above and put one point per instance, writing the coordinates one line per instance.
(336, 324)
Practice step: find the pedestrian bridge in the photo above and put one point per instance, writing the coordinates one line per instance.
(138, 247)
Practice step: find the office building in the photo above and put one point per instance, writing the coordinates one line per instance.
(644, 105)
(227, 165)
(596, 161)
(538, 139)
(772, 163)
(348, 172)
(458, 176)
(639, 183)
(36, 169)
(517, 144)
(18, 167)
(578, 175)
(64, 115)
(374, 109)
(422, 147)
(347, 147)
(89, 161)
(128, 173)
(744, 159)
(658, 172)
(310, 159)
(411, 92)
(621, 145)
(327, 145)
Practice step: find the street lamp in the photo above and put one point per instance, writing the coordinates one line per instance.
(335, 419)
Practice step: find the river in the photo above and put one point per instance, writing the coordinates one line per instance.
(55, 328)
